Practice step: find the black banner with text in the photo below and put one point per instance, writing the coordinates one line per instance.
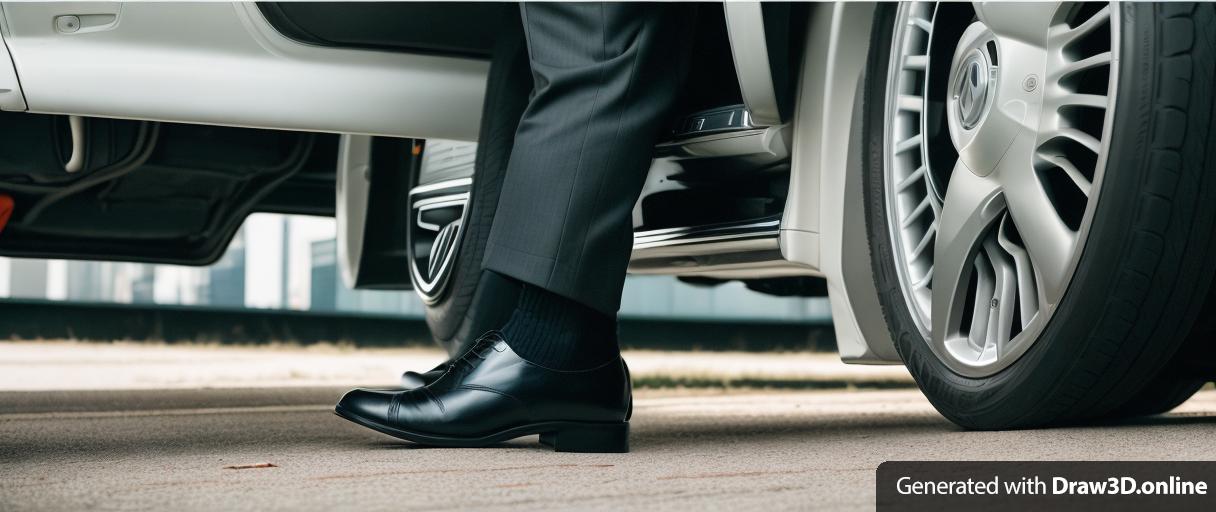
(1075, 486)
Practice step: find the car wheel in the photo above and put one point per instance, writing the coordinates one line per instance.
(451, 217)
(1038, 205)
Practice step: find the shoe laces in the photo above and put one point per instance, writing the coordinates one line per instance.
(480, 348)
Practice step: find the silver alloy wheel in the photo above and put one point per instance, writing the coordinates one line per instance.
(995, 147)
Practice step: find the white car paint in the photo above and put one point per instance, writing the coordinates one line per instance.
(223, 64)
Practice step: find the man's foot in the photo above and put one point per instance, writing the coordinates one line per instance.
(412, 379)
(491, 394)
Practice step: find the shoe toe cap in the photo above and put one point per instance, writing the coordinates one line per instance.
(366, 403)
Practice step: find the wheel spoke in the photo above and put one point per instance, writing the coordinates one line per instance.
(1081, 138)
(1003, 302)
(909, 143)
(1063, 35)
(911, 103)
(1093, 61)
(1027, 22)
(1084, 100)
(924, 242)
(1028, 300)
(911, 179)
(915, 213)
(1048, 240)
(924, 280)
(981, 315)
(916, 62)
(1071, 171)
(970, 207)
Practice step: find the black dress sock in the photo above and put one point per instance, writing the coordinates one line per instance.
(559, 333)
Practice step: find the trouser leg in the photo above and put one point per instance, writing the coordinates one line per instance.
(605, 77)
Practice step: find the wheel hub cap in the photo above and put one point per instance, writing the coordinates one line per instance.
(972, 88)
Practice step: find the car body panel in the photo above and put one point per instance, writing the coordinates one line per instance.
(824, 224)
(11, 98)
(223, 64)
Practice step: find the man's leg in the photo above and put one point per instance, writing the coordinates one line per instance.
(605, 77)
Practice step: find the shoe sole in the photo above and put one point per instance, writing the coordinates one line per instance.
(562, 436)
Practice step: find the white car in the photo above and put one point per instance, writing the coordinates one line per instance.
(1014, 200)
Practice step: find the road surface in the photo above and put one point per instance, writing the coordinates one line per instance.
(742, 450)
(64, 365)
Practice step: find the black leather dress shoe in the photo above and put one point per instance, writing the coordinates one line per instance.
(490, 395)
(411, 380)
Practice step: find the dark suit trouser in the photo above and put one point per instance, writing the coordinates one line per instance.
(605, 77)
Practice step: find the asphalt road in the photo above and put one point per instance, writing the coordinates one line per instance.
(176, 450)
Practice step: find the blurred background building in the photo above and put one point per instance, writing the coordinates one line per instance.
(290, 262)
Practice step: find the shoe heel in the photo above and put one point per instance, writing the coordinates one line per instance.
(589, 438)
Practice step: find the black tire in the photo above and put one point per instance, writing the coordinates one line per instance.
(465, 311)
(1160, 396)
(1191, 368)
(1147, 264)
